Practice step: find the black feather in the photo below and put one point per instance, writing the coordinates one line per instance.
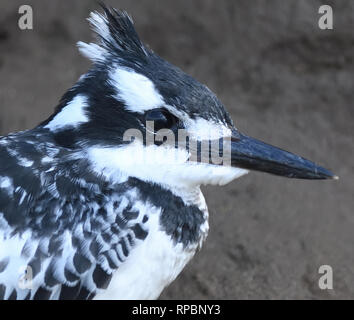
(122, 36)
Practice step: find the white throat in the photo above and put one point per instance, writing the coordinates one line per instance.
(167, 167)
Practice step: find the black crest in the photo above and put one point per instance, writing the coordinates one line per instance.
(116, 36)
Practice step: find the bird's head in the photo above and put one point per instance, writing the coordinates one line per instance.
(134, 114)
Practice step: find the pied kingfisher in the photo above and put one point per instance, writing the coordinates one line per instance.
(86, 212)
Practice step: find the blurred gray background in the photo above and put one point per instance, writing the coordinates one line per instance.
(283, 80)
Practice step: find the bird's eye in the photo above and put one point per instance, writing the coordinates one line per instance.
(162, 119)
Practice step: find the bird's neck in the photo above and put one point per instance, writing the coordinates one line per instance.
(183, 217)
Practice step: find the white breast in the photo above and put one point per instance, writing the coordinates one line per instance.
(150, 267)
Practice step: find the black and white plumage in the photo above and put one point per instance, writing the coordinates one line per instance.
(75, 229)
(79, 208)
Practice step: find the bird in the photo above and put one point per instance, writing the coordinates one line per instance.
(102, 200)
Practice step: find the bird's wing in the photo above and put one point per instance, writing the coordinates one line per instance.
(63, 232)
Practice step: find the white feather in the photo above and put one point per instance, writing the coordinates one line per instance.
(72, 114)
(136, 91)
(165, 166)
(92, 51)
(150, 267)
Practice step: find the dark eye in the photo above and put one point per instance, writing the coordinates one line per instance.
(162, 119)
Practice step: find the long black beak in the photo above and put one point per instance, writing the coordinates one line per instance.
(249, 153)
